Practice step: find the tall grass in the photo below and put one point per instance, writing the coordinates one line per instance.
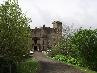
(29, 66)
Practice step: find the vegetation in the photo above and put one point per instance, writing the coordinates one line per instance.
(15, 41)
(29, 66)
(14, 32)
(85, 42)
(72, 62)
(78, 49)
(67, 59)
(85, 70)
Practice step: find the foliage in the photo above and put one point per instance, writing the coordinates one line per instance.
(67, 59)
(64, 45)
(80, 46)
(30, 66)
(85, 42)
(73, 62)
(84, 70)
(14, 31)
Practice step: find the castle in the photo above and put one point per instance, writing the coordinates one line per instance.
(44, 38)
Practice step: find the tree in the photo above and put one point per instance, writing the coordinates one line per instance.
(14, 32)
(64, 44)
(85, 41)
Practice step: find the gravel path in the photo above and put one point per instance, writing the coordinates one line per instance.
(49, 66)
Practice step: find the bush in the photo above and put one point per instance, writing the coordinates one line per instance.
(85, 42)
(29, 66)
(80, 46)
(67, 59)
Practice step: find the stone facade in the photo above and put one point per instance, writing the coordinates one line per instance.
(45, 37)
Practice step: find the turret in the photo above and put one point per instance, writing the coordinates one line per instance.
(57, 25)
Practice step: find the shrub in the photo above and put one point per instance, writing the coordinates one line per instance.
(67, 59)
(85, 41)
(80, 46)
(30, 66)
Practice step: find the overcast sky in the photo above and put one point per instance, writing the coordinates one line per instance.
(78, 12)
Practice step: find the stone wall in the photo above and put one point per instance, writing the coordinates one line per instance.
(46, 37)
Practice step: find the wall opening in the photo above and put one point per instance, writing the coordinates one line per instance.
(35, 48)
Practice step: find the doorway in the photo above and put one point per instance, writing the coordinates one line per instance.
(35, 48)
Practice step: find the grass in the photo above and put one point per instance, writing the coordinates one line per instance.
(85, 70)
(29, 66)
(82, 69)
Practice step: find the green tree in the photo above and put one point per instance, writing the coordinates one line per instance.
(85, 42)
(14, 32)
(64, 44)
(80, 45)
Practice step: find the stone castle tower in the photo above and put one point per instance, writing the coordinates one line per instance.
(45, 37)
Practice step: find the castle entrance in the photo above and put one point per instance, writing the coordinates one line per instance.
(35, 48)
(36, 44)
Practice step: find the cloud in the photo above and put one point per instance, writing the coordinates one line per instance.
(79, 12)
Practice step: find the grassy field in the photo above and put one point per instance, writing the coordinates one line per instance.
(29, 66)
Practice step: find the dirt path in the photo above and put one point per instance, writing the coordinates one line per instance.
(50, 66)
